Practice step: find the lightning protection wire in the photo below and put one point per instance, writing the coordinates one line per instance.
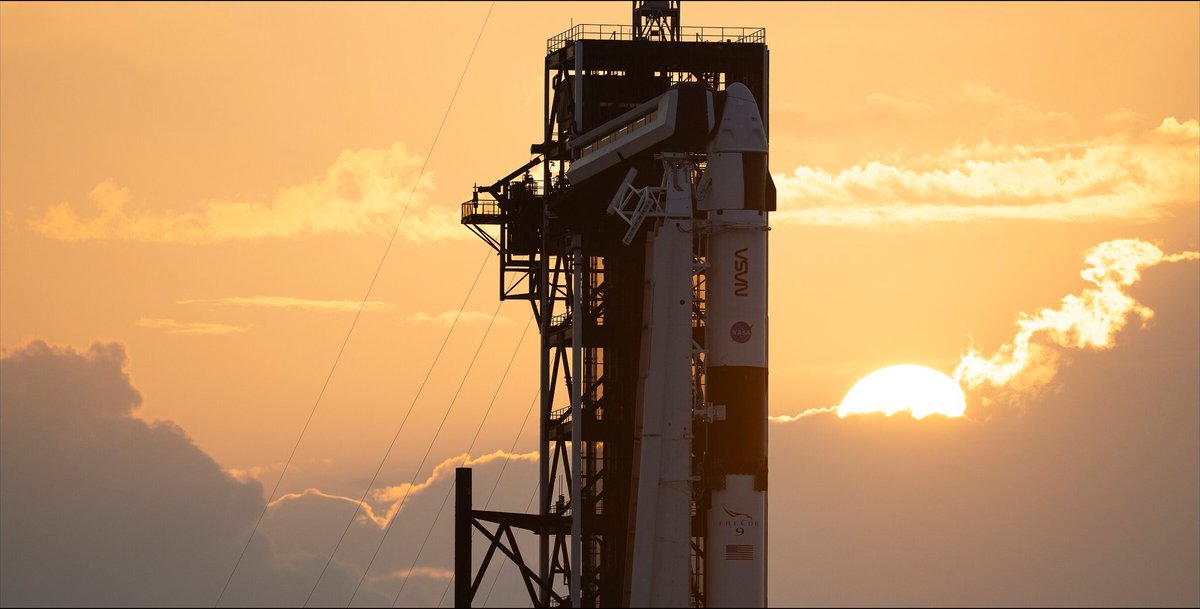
(370, 287)
(354, 324)
(466, 458)
(425, 457)
(388, 452)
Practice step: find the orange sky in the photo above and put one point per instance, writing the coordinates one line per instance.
(207, 184)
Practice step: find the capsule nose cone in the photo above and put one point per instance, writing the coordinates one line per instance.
(740, 92)
(741, 127)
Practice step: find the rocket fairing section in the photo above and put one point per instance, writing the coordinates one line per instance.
(733, 196)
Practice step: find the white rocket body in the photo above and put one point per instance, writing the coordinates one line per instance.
(733, 193)
(661, 541)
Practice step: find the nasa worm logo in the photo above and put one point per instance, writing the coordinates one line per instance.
(741, 267)
(740, 332)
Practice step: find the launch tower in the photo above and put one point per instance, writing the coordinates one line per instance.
(638, 234)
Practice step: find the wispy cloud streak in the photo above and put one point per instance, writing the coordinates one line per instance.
(285, 302)
(446, 318)
(395, 497)
(176, 327)
(1136, 178)
(790, 418)
(425, 572)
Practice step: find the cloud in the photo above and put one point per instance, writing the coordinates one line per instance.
(1126, 177)
(896, 126)
(445, 469)
(396, 497)
(303, 304)
(254, 472)
(367, 513)
(1087, 497)
(99, 507)
(362, 192)
(790, 418)
(425, 572)
(1088, 320)
(171, 326)
(446, 318)
(973, 95)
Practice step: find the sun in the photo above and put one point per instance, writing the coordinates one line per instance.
(919, 390)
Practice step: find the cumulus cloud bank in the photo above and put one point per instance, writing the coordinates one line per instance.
(1089, 498)
(362, 192)
(98, 507)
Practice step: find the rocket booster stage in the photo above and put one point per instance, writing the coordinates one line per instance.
(733, 192)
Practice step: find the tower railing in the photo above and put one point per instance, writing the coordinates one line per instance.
(689, 33)
(480, 210)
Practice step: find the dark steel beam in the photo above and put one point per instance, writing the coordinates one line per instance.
(462, 537)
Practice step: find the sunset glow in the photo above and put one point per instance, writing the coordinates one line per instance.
(244, 332)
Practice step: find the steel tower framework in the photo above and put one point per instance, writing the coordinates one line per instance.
(560, 250)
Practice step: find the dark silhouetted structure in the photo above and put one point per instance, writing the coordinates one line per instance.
(649, 208)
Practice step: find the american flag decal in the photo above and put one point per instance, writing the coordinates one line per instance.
(739, 552)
